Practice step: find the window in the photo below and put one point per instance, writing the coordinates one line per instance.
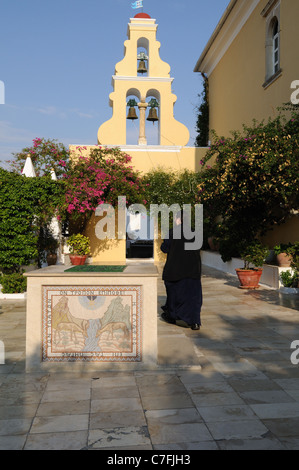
(271, 13)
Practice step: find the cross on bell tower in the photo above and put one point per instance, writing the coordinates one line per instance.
(143, 76)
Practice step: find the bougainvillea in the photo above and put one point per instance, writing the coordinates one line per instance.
(253, 183)
(100, 177)
(46, 154)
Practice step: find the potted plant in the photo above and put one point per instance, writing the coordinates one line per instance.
(282, 254)
(51, 246)
(253, 255)
(79, 248)
(47, 246)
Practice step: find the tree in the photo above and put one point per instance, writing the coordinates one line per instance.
(202, 123)
(46, 154)
(100, 177)
(26, 205)
(253, 185)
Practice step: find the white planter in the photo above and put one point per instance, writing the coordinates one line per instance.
(289, 290)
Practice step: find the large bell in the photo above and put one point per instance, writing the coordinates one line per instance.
(132, 114)
(142, 67)
(152, 115)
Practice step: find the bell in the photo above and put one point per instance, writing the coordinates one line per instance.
(152, 115)
(132, 114)
(142, 67)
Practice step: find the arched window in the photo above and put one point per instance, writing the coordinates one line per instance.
(271, 13)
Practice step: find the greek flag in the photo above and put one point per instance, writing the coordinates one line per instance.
(137, 4)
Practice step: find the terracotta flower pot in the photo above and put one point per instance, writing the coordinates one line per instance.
(78, 260)
(51, 259)
(284, 260)
(249, 278)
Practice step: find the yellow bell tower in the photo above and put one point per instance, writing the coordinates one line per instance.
(142, 86)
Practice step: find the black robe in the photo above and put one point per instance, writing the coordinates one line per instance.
(182, 279)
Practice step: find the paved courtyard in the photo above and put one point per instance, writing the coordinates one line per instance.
(231, 385)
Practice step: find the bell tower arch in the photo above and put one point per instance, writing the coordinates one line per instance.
(143, 74)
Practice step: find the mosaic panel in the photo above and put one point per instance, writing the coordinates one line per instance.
(91, 324)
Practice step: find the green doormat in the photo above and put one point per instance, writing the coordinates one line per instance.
(86, 268)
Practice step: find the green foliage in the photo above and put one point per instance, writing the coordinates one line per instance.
(202, 123)
(46, 154)
(171, 187)
(14, 283)
(254, 254)
(79, 244)
(253, 184)
(281, 248)
(289, 279)
(293, 251)
(26, 204)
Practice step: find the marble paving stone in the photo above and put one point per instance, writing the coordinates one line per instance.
(178, 433)
(176, 351)
(14, 426)
(61, 423)
(288, 384)
(243, 367)
(116, 419)
(116, 405)
(260, 396)
(226, 413)
(160, 402)
(245, 384)
(276, 410)
(202, 445)
(63, 384)
(284, 427)
(12, 442)
(114, 381)
(291, 443)
(115, 392)
(215, 399)
(26, 411)
(251, 444)
(294, 394)
(63, 408)
(173, 416)
(244, 429)
(201, 377)
(74, 440)
(209, 388)
(63, 395)
(119, 437)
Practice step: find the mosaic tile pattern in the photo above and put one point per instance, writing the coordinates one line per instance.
(91, 323)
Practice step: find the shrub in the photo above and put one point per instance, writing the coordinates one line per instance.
(14, 283)
(26, 204)
(253, 184)
(289, 279)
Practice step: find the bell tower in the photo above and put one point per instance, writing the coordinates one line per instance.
(142, 91)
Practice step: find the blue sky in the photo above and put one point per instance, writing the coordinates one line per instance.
(57, 58)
